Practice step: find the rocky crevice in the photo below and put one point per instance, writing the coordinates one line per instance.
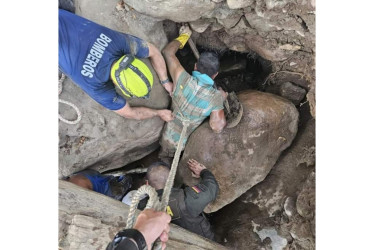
(267, 200)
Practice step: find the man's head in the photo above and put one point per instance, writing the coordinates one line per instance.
(157, 175)
(132, 76)
(208, 63)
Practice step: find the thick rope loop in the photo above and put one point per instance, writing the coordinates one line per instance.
(153, 202)
(79, 115)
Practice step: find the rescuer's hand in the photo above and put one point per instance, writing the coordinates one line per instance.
(169, 87)
(165, 115)
(195, 167)
(152, 225)
(185, 29)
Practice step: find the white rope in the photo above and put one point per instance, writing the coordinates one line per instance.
(79, 115)
(153, 201)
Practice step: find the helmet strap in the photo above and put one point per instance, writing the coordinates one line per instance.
(127, 63)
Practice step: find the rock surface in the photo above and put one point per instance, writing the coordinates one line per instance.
(289, 91)
(116, 16)
(176, 10)
(280, 207)
(101, 12)
(237, 4)
(200, 25)
(89, 220)
(242, 156)
(103, 140)
(287, 175)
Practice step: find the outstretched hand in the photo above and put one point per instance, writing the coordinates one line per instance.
(195, 167)
(169, 87)
(152, 225)
(165, 114)
(185, 29)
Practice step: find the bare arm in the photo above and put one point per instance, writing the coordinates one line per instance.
(159, 65)
(217, 120)
(141, 113)
(174, 66)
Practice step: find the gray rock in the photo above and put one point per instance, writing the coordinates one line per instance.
(216, 26)
(200, 25)
(237, 4)
(301, 232)
(120, 18)
(290, 206)
(287, 176)
(228, 19)
(175, 10)
(271, 4)
(145, 27)
(101, 12)
(292, 92)
(242, 156)
(104, 140)
(306, 200)
(274, 21)
(277, 242)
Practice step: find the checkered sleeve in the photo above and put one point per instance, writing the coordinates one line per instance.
(217, 101)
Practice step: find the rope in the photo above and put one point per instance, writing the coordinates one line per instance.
(170, 181)
(153, 201)
(79, 115)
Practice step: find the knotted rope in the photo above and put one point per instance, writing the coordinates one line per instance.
(79, 115)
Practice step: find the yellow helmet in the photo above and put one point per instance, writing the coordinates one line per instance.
(132, 76)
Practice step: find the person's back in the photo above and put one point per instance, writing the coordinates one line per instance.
(194, 99)
(97, 59)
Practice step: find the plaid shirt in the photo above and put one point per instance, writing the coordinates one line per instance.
(195, 100)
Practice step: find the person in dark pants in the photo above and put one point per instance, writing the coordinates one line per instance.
(186, 205)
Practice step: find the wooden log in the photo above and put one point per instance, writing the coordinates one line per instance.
(89, 220)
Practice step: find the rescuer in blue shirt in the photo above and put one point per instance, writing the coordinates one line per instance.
(97, 58)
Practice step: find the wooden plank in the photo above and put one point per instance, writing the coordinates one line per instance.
(89, 220)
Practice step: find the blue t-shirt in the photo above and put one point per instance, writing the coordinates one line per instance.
(87, 51)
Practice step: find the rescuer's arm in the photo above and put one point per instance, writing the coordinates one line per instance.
(174, 66)
(149, 226)
(159, 65)
(141, 113)
(200, 195)
(217, 120)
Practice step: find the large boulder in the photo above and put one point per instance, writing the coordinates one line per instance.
(242, 156)
(176, 10)
(114, 15)
(287, 176)
(281, 207)
(103, 140)
(101, 12)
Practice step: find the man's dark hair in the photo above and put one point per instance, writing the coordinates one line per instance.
(208, 63)
(157, 175)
